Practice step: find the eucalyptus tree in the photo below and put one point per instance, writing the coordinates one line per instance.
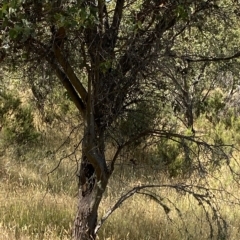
(111, 56)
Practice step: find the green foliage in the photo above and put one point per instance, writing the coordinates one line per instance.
(76, 17)
(139, 118)
(222, 138)
(175, 157)
(214, 106)
(12, 15)
(183, 12)
(16, 121)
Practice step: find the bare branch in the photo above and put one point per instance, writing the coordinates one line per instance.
(64, 157)
(117, 17)
(160, 134)
(199, 193)
(210, 59)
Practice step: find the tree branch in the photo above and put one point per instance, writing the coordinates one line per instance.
(140, 46)
(70, 89)
(161, 133)
(50, 58)
(117, 16)
(2, 55)
(202, 197)
(210, 59)
(70, 73)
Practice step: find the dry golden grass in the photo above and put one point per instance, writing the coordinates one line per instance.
(31, 208)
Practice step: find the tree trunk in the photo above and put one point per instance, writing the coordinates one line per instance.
(91, 188)
(93, 174)
(86, 218)
(87, 213)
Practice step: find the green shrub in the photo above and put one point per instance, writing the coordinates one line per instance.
(17, 121)
(214, 105)
(175, 156)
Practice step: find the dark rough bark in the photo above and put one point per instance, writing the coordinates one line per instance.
(86, 219)
(92, 185)
(90, 195)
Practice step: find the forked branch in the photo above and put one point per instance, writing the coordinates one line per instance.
(199, 193)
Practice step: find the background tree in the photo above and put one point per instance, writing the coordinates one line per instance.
(115, 60)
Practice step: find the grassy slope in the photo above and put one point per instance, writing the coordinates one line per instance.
(38, 205)
(34, 207)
